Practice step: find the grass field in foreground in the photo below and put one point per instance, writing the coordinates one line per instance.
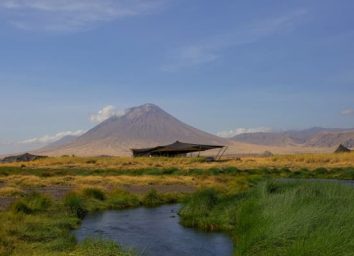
(36, 225)
(301, 218)
(267, 219)
(280, 218)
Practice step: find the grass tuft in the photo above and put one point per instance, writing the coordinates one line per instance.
(75, 205)
(95, 247)
(95, 193)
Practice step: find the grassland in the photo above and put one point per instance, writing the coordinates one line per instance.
(294, 161)
(56, 176)
(37, 225)
(41, 201)
(279, 218)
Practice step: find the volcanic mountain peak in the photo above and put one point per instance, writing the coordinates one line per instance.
(139, 111)
(143, 126)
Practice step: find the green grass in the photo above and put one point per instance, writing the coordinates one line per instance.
(36, 225)
(272, 218)
(94, 247)
(334, 173)
(279, 218)
(94, 193)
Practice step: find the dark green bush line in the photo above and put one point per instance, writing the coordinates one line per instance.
(335, 173)
(299, 218)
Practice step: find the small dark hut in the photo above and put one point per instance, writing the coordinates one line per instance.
(21, 158)
(175, 149)
(342, 149)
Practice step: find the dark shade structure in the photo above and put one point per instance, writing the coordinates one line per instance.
(21, 158)
(174, 149)
(342, 149)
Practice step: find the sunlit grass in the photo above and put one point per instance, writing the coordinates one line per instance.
(301, 218)
(38, 225)
(310, 161)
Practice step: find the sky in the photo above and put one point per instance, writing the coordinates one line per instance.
(225, 66)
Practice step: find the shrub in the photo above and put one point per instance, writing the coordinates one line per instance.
(197, 208)
(32, 203)
(75, 205)
(95, 193)
(38, 202)
(21, 207)
(152, 198)
(120, 199)
(91, 161)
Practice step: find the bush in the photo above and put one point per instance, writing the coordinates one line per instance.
(91, 161)
(152, 198)
(21, 207)
(198, 207)
(32, 203)
(38, 202)
(120, 199)
(95, 193)
(75, 205)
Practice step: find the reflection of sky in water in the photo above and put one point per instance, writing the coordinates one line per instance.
(154, 231)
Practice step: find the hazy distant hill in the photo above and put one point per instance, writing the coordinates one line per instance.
(148, 125)
(59, 143)
(332, 139)
(143, 126)
(314, 137)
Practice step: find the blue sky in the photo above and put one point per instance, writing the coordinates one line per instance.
(217, 65)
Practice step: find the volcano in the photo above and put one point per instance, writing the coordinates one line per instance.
(143, 126)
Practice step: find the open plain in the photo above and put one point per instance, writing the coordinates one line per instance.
(46, 198)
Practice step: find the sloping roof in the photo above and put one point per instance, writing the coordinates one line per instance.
(174, 149)
(21, 158)
(342, 149)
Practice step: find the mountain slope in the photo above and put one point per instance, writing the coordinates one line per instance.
(314, 137)
(143, 126)
(332, 139)
(59, 143)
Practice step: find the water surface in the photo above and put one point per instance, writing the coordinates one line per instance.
(153, 232)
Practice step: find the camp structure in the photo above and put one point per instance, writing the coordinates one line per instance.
(177, 149)
(342, 149)
(21, 158)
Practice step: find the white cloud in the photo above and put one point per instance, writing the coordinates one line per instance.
(46, 139)
(237, 131)
(348, 112)
(105, 113)
(211, 49)
(71, 15)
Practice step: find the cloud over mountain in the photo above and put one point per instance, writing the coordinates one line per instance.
(105, 113)
(52, 138)
(237, 131)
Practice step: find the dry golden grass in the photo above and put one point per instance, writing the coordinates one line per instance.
(15, 183)
(107, 181)
(296, 161)
(10, 191)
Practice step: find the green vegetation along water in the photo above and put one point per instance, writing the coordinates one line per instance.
(154, 232)
(272, 218)
(277, 218)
